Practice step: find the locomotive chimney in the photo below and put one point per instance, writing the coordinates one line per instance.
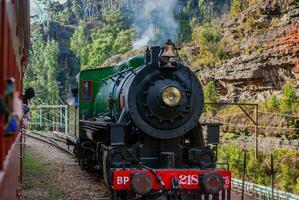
(155, 52)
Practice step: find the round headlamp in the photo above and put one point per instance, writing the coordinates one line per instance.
(171, 96)
(213, 183)
(141, 183)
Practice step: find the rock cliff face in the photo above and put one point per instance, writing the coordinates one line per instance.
(264, 52)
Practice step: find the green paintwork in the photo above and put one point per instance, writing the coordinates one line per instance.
(102, 88)
(132, 62)
(135, 62)
(94, 75)
(107, 89)
(101, 101)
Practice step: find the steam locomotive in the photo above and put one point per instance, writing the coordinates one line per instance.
(139, 124)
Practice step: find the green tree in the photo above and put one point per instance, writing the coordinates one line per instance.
(123, 41)
(51, 53)
(36, 58)
(211, 96)
(289, 98)
(258, 170)
(206, 8)
(273, 104)
(235, 8)
(79, 42)
(233, 155)
(101, 48)
(117, 21)
(206, 39)
(114, 37)
(41, 71)
(84, 56)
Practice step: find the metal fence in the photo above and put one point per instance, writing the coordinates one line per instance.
(50, 117)
(262, 192)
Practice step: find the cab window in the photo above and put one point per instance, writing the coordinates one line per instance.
(87, 90)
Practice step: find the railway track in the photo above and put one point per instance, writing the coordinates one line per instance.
(51, 140)
(253, 190)
(85, 185)
(56, 137)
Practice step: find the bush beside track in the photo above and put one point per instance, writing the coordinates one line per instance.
(286, 166)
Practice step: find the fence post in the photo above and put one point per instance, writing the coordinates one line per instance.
(256, 130)
(66, 120)
(53, 118)
(40, 118)
(244, 173)
(272, 177)
(60, 117)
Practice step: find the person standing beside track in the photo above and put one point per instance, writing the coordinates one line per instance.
(29, 94)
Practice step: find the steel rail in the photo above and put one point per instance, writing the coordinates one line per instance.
(59, 136)
(60, 139)
(49, 141)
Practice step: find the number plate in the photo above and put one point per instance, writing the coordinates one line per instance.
(188, 179)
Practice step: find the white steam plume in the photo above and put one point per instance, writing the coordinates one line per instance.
(155, 22)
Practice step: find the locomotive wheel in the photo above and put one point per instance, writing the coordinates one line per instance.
(82, 158)
(107, 173)
(83, 164)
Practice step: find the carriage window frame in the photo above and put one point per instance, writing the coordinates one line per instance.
(84, 92)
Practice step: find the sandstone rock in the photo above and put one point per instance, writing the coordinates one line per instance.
(267, 57)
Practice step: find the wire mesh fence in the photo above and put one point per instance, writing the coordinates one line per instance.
(50, 118)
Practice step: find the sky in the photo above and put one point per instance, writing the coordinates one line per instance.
(33, 5)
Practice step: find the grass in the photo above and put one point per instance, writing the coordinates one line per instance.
(38, 179)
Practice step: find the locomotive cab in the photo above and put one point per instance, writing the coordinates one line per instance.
(139, 124)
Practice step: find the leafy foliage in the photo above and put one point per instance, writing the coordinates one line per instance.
(79, 40)
(289, 100)
(102, 30)
(117, 21)
(41, 74)
(114, 37)
(286, 168)
(101, 48)
(235, 8)
(288, 103)
(41, 71)
(211, 96)
(123, 41)
(271, 105)
(209, 48)
(195, 13)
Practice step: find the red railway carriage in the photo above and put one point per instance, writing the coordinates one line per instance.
(14, 48)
